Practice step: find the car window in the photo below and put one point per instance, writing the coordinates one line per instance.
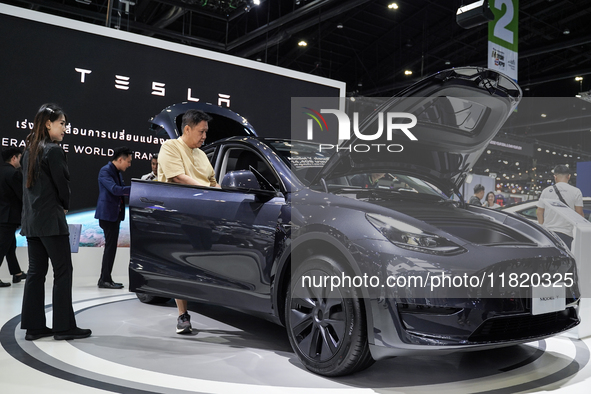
(304, 158)
(236, 159)
(529, 213)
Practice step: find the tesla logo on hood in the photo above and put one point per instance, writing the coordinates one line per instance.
(344, 133)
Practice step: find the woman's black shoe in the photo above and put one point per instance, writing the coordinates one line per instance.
(32, 335)
(4, 284)
(74, 333)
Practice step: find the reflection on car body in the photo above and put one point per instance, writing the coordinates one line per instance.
(287, 216)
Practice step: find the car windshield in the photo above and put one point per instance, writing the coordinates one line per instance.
(384, 182)
(304, 158)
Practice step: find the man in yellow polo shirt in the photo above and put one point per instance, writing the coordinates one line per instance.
(181, 161)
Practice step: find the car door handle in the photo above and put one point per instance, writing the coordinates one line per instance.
(148, 201)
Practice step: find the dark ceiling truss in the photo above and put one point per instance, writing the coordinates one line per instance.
(373, 45)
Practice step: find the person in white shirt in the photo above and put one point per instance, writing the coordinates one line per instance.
(490, 201)
(566, 193)
(154, 174)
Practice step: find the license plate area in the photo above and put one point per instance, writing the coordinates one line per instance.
(548, 299)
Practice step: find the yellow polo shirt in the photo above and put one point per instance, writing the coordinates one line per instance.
(176, 158)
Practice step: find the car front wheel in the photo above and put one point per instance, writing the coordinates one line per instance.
(326, 327)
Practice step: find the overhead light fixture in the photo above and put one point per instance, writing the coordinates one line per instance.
(447, 62)
(256, 2)
(86, 2)
(566, 31)
(407, 72)
(393, 6)
(578, 79)
(303, 43)
(543, 115)
(339, 26)
(474, 14)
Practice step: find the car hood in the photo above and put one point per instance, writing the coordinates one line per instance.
(225, 123)
(458, 113)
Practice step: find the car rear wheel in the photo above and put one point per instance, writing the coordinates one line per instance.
(326, 327)
(151, 299)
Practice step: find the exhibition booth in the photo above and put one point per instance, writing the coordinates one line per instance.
(118, 88)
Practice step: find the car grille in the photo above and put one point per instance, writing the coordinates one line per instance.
(516, 327)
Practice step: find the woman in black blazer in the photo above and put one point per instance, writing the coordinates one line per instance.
(46, 199)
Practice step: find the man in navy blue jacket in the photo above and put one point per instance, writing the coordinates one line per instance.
(110, 210)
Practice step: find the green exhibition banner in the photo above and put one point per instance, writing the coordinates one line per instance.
(503, 37)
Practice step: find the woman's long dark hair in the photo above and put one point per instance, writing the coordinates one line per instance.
(38, 137)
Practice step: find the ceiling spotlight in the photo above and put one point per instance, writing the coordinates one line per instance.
(303, 43)
(407, 72)
(393, 6)
(543, 115)
(578, 79)
(566, 31)
(339, 26)
(447, 62)
(256, 2)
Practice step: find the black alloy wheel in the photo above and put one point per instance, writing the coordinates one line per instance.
(326, 327)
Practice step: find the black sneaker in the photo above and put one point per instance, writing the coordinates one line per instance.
(74, 333)
(4, 284)
(183, 325)
(18, 277)
(35, 334)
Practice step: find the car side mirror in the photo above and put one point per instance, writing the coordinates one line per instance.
(245, 181)
(240, 179)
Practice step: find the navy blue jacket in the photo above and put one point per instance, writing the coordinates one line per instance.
(110, 205)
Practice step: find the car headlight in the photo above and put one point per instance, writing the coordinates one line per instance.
(410, 237)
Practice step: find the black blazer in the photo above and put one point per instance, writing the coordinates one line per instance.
(11, 194)
(45, 201)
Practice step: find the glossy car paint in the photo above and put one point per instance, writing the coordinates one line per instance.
(238, 247)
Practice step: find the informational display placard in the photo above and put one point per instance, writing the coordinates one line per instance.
(503, 37)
